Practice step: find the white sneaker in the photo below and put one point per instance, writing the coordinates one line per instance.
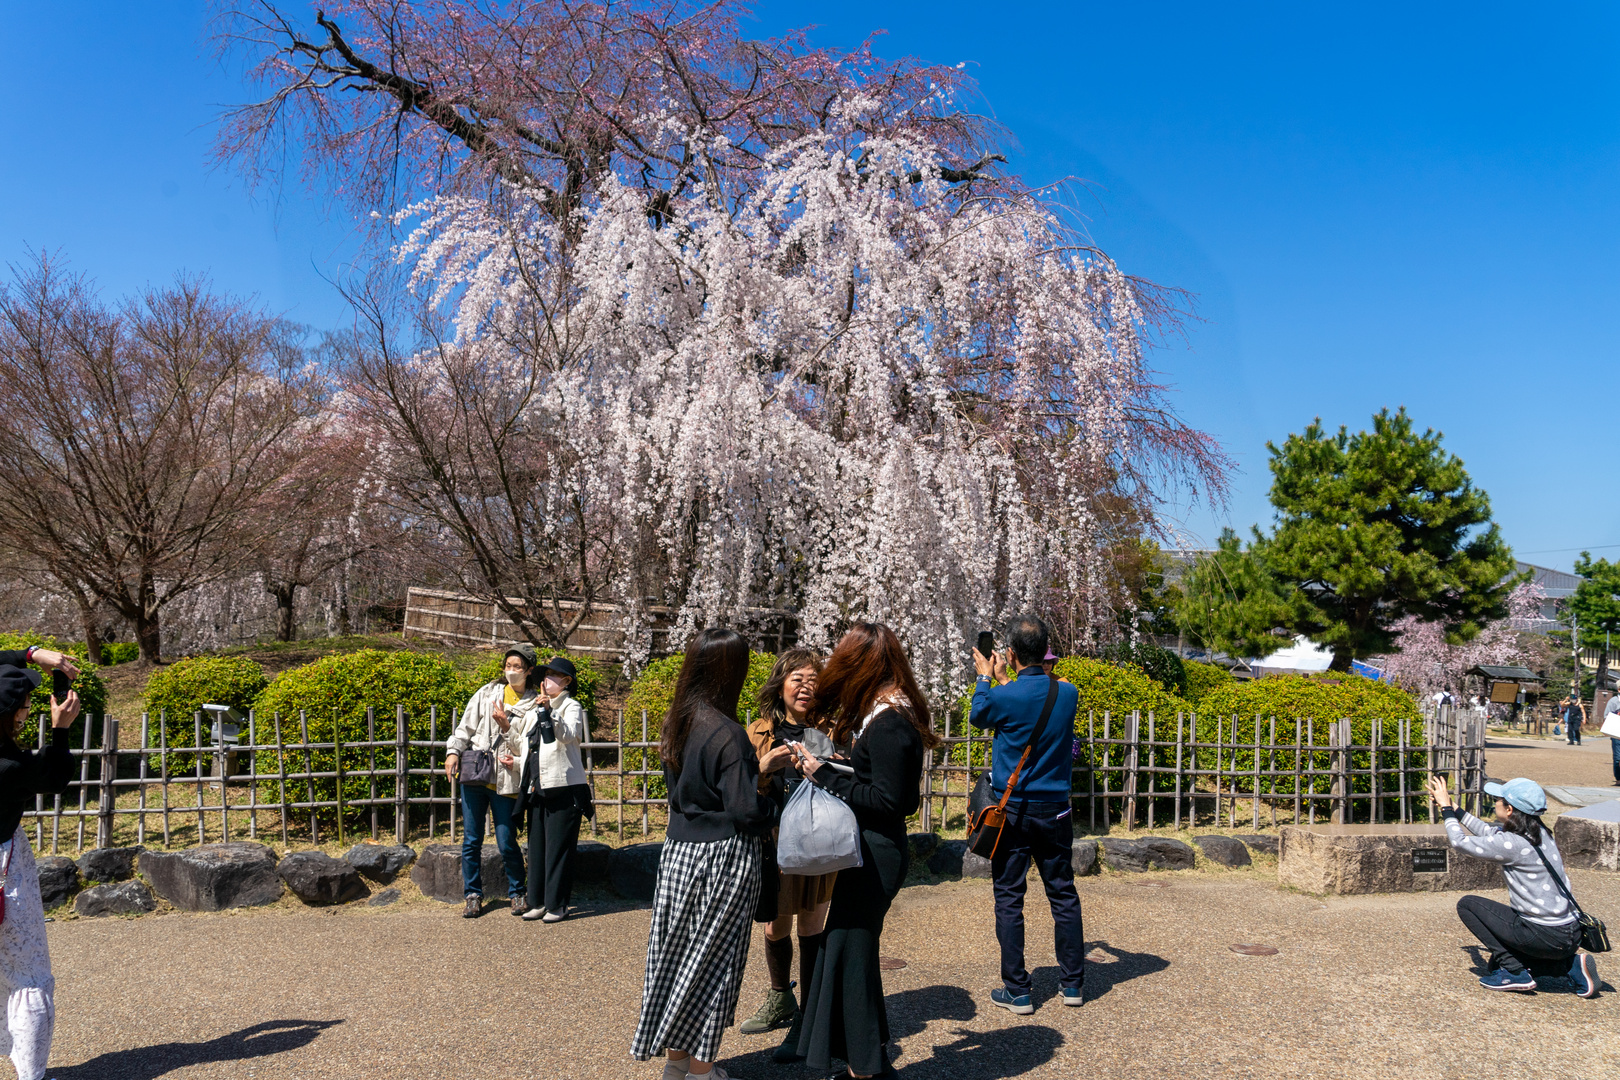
(539, 913)
(559, 916)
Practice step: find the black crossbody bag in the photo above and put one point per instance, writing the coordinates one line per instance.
(1594, 935)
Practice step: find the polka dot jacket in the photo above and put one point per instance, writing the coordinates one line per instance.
(1534, 895)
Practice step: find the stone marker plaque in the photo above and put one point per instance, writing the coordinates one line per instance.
(1429, 861)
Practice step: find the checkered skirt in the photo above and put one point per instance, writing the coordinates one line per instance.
(697, 947)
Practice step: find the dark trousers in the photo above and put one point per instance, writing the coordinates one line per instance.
(477, 802)
(1042, 832)
(1515, 942)
(1573, 727)
(553, 838)
(1614, 749)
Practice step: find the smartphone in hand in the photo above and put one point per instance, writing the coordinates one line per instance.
(61, 685)
(986, 644)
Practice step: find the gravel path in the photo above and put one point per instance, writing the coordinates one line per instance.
(1378, 986)
(1362, 987)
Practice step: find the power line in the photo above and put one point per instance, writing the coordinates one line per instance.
(1557, 551)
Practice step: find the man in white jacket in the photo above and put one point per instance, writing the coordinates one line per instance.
(492, 741)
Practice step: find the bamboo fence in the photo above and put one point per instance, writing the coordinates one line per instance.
(1136, 770)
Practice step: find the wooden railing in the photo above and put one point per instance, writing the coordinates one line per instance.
(1137, 770)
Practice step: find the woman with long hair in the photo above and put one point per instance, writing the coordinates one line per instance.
(1538, 932)
(709, 875)
(868, 686)
(787, 714)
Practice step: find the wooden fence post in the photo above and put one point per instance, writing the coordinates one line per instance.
(402, 780)
(1337, 817)
(109, 772)
(1180, 778)
(1133, 735)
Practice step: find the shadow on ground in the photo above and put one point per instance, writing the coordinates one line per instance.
(150, 1062)
(1100, 977)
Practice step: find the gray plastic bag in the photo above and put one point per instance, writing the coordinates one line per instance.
(817, 834)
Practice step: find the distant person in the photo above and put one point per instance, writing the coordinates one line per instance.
(1574, 718)
(553, 790)
(1539, 934)
(869, 687)
(25, 964)
(1039, 825)
(496, 720)
(1611, 728)
(709, 875)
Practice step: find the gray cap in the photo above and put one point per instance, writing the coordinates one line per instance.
(523, 650)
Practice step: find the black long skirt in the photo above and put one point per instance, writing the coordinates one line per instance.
(845, 1017)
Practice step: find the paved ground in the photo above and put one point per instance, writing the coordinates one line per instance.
(1361, 987)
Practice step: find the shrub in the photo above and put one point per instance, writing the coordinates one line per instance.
(119, 652)
(175, 693)
(1161, 665)
(333, 694)
(654, 692)
(92, 690)
(1116, 690)
(1232, 712)
(1202, 678)
(587, 680)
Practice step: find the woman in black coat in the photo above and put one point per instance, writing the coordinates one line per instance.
(871, 688)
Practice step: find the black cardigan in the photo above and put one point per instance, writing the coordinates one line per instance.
(715, 795)
(886, 787)
(26, 773)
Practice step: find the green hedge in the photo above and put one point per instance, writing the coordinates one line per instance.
(1202, 678)
(175, 693)
(653, 691)
(92, 690)
(587, 680)
(119, 652)
(333, 694)
(1161, 665)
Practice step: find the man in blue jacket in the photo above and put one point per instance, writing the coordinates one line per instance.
(1039, 825)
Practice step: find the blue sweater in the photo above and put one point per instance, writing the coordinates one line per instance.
(1012, 711)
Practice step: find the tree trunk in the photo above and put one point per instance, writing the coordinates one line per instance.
(1597, 683)
(149, 636)
(92, 631)
(286, 626)
(344, 626)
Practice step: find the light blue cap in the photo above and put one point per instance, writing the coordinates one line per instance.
(1521, 794)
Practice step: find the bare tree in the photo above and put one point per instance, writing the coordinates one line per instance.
(144, 438)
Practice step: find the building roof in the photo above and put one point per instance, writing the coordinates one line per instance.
(1505, 673)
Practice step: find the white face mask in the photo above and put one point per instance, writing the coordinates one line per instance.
(516, 679)
(553, 686)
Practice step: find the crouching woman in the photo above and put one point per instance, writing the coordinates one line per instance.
(25, 966)
(1540, 933)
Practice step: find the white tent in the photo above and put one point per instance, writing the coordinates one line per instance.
(1302, 657)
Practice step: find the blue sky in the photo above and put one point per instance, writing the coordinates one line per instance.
(1374, 204)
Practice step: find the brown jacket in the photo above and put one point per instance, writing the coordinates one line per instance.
(759, 734)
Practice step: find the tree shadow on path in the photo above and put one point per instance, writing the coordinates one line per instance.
(151, 1062)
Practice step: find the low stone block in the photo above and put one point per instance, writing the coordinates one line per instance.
(1349, 859)
(438, 873)
(214, 877)
(975, 866)
(946, 861)
(109, 863)
(1151, 853)
(1225, 850)
(922, 845)
(633, 870)
(58, 880)
(591, 861)
(1265, 845)
(381, 863)
(1085, 858)
(320, 880)
(1589, 838)
(387, 896)
(115, 898)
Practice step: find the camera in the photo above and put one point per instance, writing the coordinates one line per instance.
(544, 724)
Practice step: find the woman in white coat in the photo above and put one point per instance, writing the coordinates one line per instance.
(497, 719)
(554, 792)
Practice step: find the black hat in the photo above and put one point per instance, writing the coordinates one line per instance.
(561, 665)
(15, 686)
(523, 651)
